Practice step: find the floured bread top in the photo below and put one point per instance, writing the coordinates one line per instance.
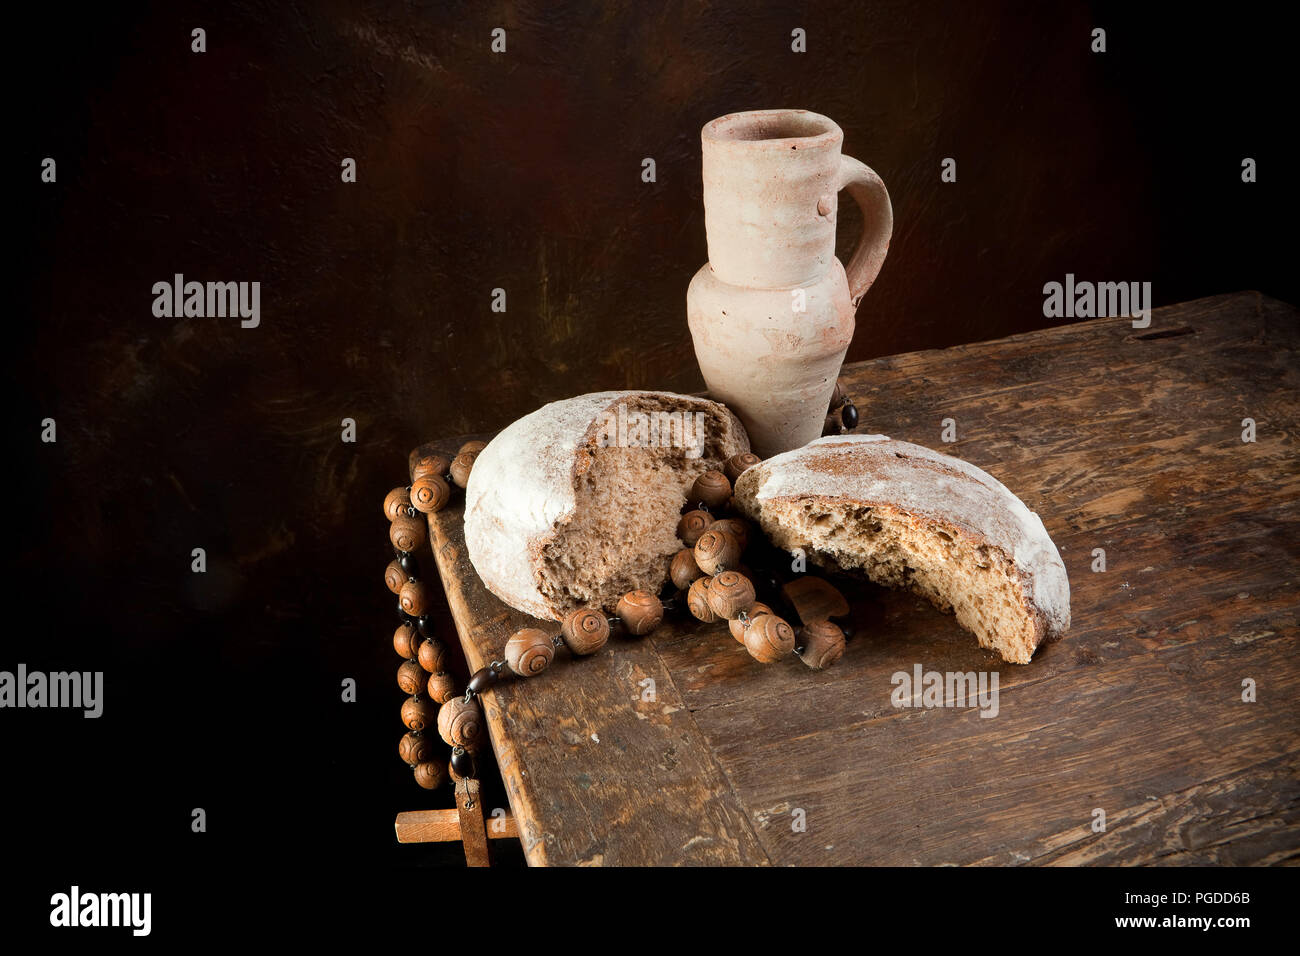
(531, 465)
(875, 469)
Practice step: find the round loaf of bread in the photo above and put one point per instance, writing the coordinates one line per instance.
(578, 503)
(911, 517)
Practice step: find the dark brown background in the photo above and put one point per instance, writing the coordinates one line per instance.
(477, 171)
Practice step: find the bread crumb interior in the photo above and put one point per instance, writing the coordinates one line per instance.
(978, 583)
(622, 534)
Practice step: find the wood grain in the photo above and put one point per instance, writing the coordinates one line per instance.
(473, 831)
(443, 826)
(1121, 439)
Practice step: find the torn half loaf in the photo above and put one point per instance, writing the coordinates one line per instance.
(578, 503)
(911, 517)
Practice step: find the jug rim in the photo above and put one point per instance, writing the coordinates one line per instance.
(773, 128)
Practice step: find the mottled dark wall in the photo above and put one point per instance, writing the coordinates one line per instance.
(477, 171)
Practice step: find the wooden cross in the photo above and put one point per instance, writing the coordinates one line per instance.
(464, 823)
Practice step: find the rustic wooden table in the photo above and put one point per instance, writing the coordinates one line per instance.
(1125, 440)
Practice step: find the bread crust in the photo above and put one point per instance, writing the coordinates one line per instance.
(524, 485)
(929, 491)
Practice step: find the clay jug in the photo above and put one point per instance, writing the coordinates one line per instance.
(772, 311)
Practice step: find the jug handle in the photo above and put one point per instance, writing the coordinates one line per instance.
(868, 190)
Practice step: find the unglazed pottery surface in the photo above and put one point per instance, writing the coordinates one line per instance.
(772, 311)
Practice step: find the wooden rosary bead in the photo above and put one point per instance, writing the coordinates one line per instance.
(430, 775)
(414, 598)
(738, 528)
(814, 598)
(823, 644)
(461, 466)
(640, 611)
(461, 765)
(396, 503)
(697, 600)
(717, 551)
(417, 713)
(414, 748)
(406, 641)
(460, 722)
(737, 627)
(838, 397)
(712, 489)
(768, 638)
(407, 533)
(441, 687)
(730, 593)
(432, 655)
(430, 465)
(529, 651)
(411, 677)
(472, 448)
(482, 680)
(684, 571)
(395, 576)
(737, 464)
(692, 525)
(584, 631)
(429, 493)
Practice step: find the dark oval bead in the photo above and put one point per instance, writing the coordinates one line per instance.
(482, 680)
(425, 625)
(849, 415)
(403, 616)
(409, 564)
(462, 762)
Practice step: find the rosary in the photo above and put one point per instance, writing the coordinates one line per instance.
(707, 571)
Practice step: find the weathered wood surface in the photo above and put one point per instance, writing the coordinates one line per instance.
(1120, 439)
